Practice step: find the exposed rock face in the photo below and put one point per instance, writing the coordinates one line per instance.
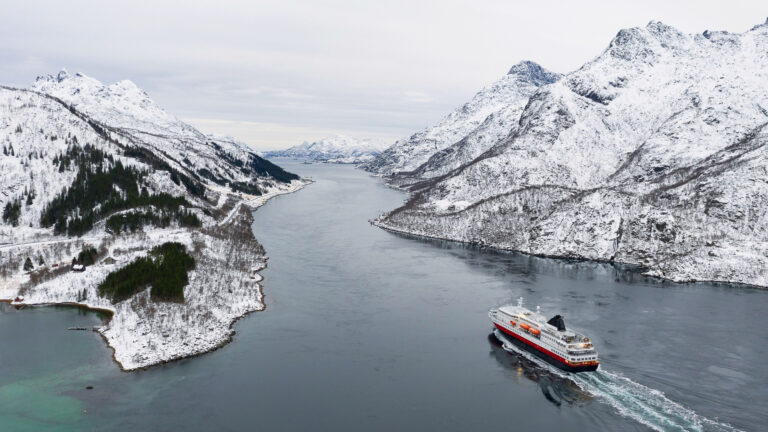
(653, 153)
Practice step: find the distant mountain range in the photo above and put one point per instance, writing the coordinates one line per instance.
(653, 153)
(335, 149)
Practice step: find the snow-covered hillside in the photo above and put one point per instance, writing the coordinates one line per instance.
(335, 149)
(653, 153)
(128, 115)
(85, 163)
(467, 131)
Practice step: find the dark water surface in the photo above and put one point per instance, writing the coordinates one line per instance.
(368, 330)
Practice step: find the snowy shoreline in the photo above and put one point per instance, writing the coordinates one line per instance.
(111, 312)
(225, 286)
(653, 153)
(643, 270)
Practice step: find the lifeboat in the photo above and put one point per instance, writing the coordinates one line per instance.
(534, 331)
(525, 326)
(513, 323)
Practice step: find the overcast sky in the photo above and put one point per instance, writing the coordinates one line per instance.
(275, 73)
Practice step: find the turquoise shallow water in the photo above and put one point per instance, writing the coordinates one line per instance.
(44, 366)
(368, 330)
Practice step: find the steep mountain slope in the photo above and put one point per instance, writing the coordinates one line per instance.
(653, 154)
(467, 131)
(64, 114)
(100, 175)
(335, 149)
(496, 127)
(127, 112)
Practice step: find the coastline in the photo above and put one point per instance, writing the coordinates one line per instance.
(110, 313)
(202, 294)
(645, 271)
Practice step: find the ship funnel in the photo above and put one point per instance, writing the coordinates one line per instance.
(558, 322)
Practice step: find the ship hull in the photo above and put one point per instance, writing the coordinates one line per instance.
(533, 349)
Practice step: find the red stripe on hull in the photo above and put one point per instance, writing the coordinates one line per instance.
(529, 343)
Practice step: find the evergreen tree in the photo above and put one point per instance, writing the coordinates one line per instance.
(165, 269)
(87, 255)
(28, 264)
(12, 211)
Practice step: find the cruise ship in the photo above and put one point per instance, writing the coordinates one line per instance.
(549, 340)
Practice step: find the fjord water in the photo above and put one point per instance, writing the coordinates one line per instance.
(369, 330)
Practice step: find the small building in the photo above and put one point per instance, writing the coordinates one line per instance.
(78, 268)
(109, 260)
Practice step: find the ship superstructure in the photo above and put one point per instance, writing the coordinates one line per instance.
(549, 339)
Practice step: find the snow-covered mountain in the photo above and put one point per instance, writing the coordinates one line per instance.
(467, 131)
(654, 153)
(334, 149)
(64, 112)
(87, 165)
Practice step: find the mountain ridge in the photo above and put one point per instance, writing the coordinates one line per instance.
(648, 154)
(103, 174)
(491, 111)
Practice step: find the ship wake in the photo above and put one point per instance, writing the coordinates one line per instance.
(630, 399)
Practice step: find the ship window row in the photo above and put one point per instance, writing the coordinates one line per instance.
(580, 353)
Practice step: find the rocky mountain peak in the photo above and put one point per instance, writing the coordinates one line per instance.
(122, 102)
(631, 43)
(534, 73)
(647, 43)
(63, 81)
(759, 26)
(62, 75)
(59, 77)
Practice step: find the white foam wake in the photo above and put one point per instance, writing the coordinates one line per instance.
(630, 399)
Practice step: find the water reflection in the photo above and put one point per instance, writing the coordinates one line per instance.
(521, 264)
(556, 389)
